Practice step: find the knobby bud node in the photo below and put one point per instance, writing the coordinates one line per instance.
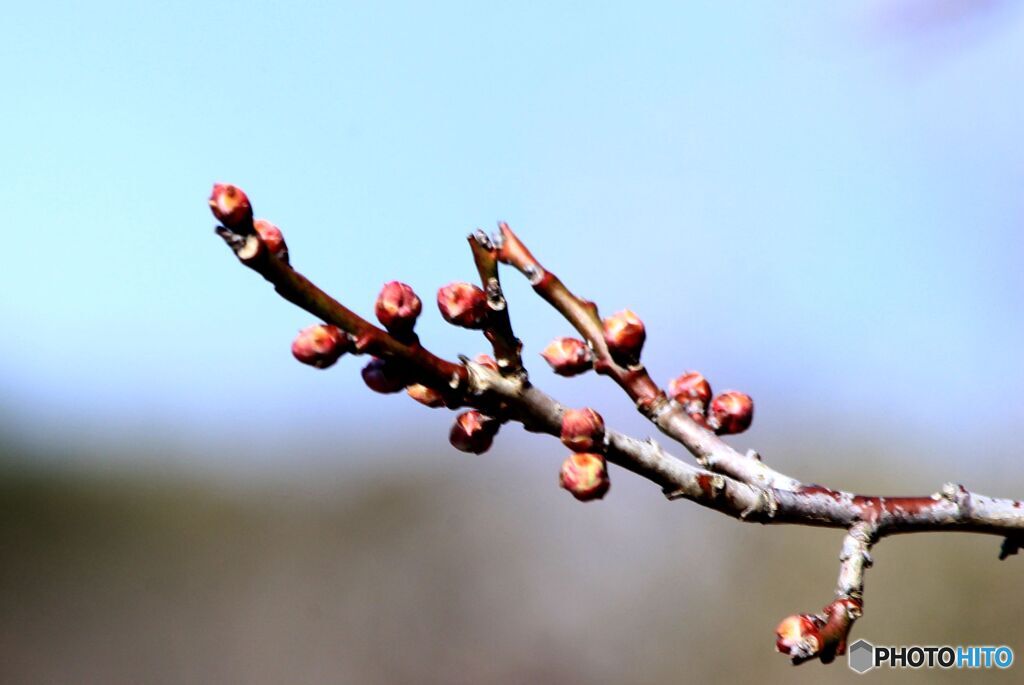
(320, 345)
(585, 476)
(231, 207)
(398, 307)
(798, 636)
(731, 413)
(692, 391)
(272, 237)
(625, 334)
(583, 430)
(473, 432)
(568, 356)
(463, 304)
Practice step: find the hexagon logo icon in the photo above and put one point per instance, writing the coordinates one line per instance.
(861, 656)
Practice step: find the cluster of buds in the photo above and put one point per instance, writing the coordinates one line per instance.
(473, 432)
(320, 345)
(799, 636)
(624, 333)
(568, 356)
(585, 473)
(463, 304)
(232, 208)
(397, 308)
(728, 413)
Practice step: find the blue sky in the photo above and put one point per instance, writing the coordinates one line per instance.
(819, 203)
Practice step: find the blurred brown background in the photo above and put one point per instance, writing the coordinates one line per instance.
(457, 569)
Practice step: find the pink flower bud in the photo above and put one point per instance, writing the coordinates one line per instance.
(463, 304)
(320, 345)
(798, 636)
(425, 395)
(473, 432)
(582, 430)
(398, 307)
(231, 207)
(568, 356)
(691, 390)
(585, 475)
(383, 376)
(624, 333)
(730, 413)
(486, 361)
(272, 237)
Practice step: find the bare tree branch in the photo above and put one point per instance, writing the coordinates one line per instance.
(710, 451)
(738, 485)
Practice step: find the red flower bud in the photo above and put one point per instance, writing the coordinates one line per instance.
(272, 237)
(624, 333)
(730, 413)
(850, 609)
(585, 475)
(798, 636)
(582, 430)
(463, 304)
(691, 390)
(320, 345)
(568, 356)
(398, 307)
(231, 207)
(473, 432)
(383, 376)
(425, 395)
(486, 361)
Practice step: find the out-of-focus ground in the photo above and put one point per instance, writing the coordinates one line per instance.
(454, 569)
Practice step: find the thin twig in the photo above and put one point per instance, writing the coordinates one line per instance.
(498, 330)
